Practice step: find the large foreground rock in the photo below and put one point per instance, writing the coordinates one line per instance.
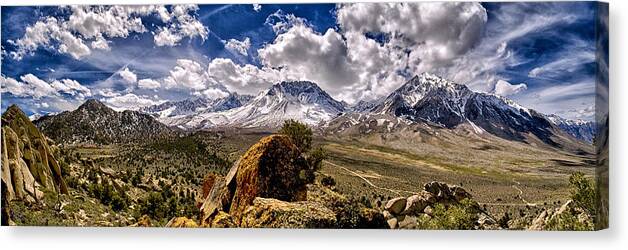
(270, 169)
(28, 163)
(274, 213)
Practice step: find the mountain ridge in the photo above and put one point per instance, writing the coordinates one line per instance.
(94, 122)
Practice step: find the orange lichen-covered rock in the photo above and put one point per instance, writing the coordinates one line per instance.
(272, 168)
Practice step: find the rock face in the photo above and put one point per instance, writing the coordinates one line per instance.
(269, 169)
(28, 163)
(281, 214)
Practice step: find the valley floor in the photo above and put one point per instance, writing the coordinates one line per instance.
(371, 173)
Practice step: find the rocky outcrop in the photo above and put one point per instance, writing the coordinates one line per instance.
(551, 219)
(274, 213)
(181, 222)
(270, 169)
(28, 162)
(404, 212)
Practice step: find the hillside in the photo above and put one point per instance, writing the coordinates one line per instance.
(94, 122)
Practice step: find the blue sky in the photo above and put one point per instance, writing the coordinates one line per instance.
(541, 55)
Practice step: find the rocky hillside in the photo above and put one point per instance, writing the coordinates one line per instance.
(28, 161)
(93, 122)
(580, 129)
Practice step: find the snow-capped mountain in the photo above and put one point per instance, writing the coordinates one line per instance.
(192, 106)
(581, 129)
(363, 106)
(299, 100)
(429, 98)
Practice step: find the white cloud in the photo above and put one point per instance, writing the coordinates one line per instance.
(281, 22)
(247, 79)
(148, 84)
(321, 58)
(352, 66)
(95, 24)
(129, 101)
(187, 74)
(237, 46)
(436, 32)
(28, 86)
(71, 87)
(58, 95)
(257, 7)
(567, 62)
(107, 92)
(128, 76)
(504, 88)
(184, 24)
(165, 37)
(100, 43)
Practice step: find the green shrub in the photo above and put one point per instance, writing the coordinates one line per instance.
(299, 133)
(316, 158)
(583, 192)
(461, 216)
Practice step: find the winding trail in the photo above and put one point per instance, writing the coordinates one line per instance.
(396, 191)
(515, 186)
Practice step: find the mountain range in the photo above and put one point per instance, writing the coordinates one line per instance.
(424, 99)
(299, 100)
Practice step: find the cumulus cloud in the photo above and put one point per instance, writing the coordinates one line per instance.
(504, 88)
(95, 24)
(127, 75)
(71, 87)
(247, 79)
(184, 25)
(129, 101)
(53, 96)
(187, 74)
(317, 57)
(29, 86)
(356, 66)
(148, 84)
(420, 27)
(237, 46)
(280, 22)
(257, 7)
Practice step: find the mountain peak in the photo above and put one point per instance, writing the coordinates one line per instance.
(295, 88)
(93, 104)
(12, 113)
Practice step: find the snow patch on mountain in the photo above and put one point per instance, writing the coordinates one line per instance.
(299, 100)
